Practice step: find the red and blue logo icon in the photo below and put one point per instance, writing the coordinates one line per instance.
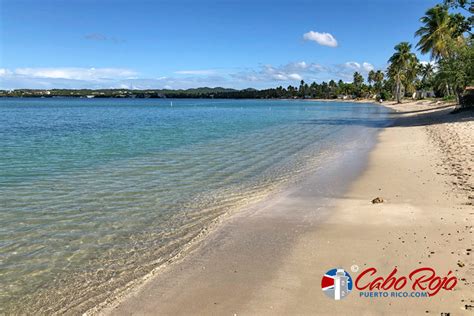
(336, 283)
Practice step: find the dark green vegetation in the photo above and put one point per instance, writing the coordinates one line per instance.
(447, 37)
(445, 34)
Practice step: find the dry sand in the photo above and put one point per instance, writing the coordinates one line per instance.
(269, 259)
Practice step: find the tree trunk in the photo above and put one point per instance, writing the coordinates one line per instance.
(397, 92)
(459, 99)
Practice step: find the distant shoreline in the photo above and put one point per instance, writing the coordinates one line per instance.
(356, 100)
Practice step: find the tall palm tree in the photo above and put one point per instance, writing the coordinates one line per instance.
(427, 72)
(378, 80)
(411, 77)
(379, 76)
(371, 77)
(358, 81)
(302, 89)
(402, 67)
(436, 32)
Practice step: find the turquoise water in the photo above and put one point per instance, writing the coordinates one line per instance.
(95, 193)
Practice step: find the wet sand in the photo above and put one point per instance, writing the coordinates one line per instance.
(269, 258)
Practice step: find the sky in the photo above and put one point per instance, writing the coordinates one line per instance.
(183, 44)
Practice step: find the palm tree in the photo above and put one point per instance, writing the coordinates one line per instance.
(459, 25)
(371, 77)
(313, 88)
(442, 31)
(358, 81)
(378, 80)
(427, 71)
(302, 89)
(411, 77)
(332, 88)
(436, 32)
(402, 68)
(427, 75)
(456, 71)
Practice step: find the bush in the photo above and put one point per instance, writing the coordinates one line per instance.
(385, 95)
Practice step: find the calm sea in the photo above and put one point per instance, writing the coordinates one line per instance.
(95, 193)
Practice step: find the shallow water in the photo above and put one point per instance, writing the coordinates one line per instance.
(95, 193)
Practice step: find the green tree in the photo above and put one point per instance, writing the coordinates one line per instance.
(459, 25)
(411, 77)
(301, 90)
(358, 81)
(438, 31)
(427, 75)
(378, 82)
(313, 88)
(401, 68)
(435, 33)
(464, 4)
(371, 77)
(292, 91)
(332, 86)
(457, 70)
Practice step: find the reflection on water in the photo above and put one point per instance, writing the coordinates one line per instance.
(94, 194)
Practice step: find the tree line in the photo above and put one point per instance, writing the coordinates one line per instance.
(447, 37)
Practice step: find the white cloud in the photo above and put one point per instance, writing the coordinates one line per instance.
(367, 66)
(280, 77)
(301, 65)
(3, 72)
(294, 71)
(75, 73)
(295, 77)
(346, 71)
(352, 65)
(196, 72)
(263, 76)
(325, 39)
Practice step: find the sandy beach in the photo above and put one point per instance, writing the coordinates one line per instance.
(269, 258)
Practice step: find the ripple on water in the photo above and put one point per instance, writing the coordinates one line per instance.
(97, 196)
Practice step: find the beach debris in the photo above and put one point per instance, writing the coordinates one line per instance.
(377, 200)
(460, 264)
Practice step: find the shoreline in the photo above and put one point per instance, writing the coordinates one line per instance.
(309, 156)
(211, 233)
(290, 282)
(249, 220)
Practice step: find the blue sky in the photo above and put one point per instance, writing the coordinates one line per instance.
(185, 44)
